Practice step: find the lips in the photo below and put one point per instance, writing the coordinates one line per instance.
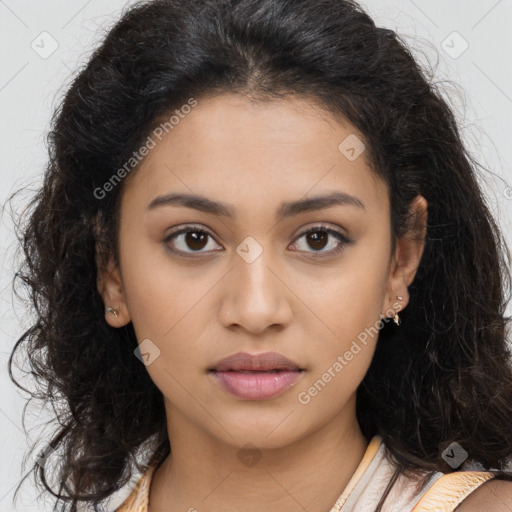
(256, 377)
(264, 362)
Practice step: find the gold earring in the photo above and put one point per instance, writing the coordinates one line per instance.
(112, 310)
(396, 318)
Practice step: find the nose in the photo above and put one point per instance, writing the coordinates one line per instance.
(255, 296)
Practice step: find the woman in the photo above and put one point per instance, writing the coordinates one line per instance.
(262, 263)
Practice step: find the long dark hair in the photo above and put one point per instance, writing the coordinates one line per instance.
(443, 376)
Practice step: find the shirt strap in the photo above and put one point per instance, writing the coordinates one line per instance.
(447, 492)
(370, 453)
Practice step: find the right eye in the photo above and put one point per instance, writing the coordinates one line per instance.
(188, 240)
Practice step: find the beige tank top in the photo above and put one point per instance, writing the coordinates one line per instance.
(442, 493)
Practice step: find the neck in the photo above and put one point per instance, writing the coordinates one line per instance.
(308, 474)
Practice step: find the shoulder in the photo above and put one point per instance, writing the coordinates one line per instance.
(495, 495)
(466, 491)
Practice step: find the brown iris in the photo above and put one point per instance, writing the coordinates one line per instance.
(316, 240)
(196, 239)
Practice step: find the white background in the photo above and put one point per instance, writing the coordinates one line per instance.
(30, 87)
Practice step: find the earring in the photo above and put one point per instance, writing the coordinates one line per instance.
(396, 318)
(111, 310)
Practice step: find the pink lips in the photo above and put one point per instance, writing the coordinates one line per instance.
(256, 377)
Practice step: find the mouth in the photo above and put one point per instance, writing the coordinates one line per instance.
(256, 371)
(263, 362)
(256, 385)
(256, 377)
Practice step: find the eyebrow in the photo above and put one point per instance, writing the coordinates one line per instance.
(287, 209)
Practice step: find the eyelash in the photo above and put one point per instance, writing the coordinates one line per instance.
(344, 241)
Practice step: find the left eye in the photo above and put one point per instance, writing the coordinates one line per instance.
(318, 238)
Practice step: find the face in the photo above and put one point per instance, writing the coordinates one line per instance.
(239, 272)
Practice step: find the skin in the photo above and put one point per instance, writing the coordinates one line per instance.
(492, 496)
(197, 310)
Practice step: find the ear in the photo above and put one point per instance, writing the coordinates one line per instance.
(109, 282)
(407, 256)
(110, 287)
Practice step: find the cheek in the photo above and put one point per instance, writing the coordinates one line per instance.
(153, 301)
(347, 311)
(164, 303)
(341, 355)
(155, 291)
(350, 301)
(347, 346)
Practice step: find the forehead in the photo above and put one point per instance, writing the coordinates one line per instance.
(238, 150)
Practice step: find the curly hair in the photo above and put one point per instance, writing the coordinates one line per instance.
(444, 376)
